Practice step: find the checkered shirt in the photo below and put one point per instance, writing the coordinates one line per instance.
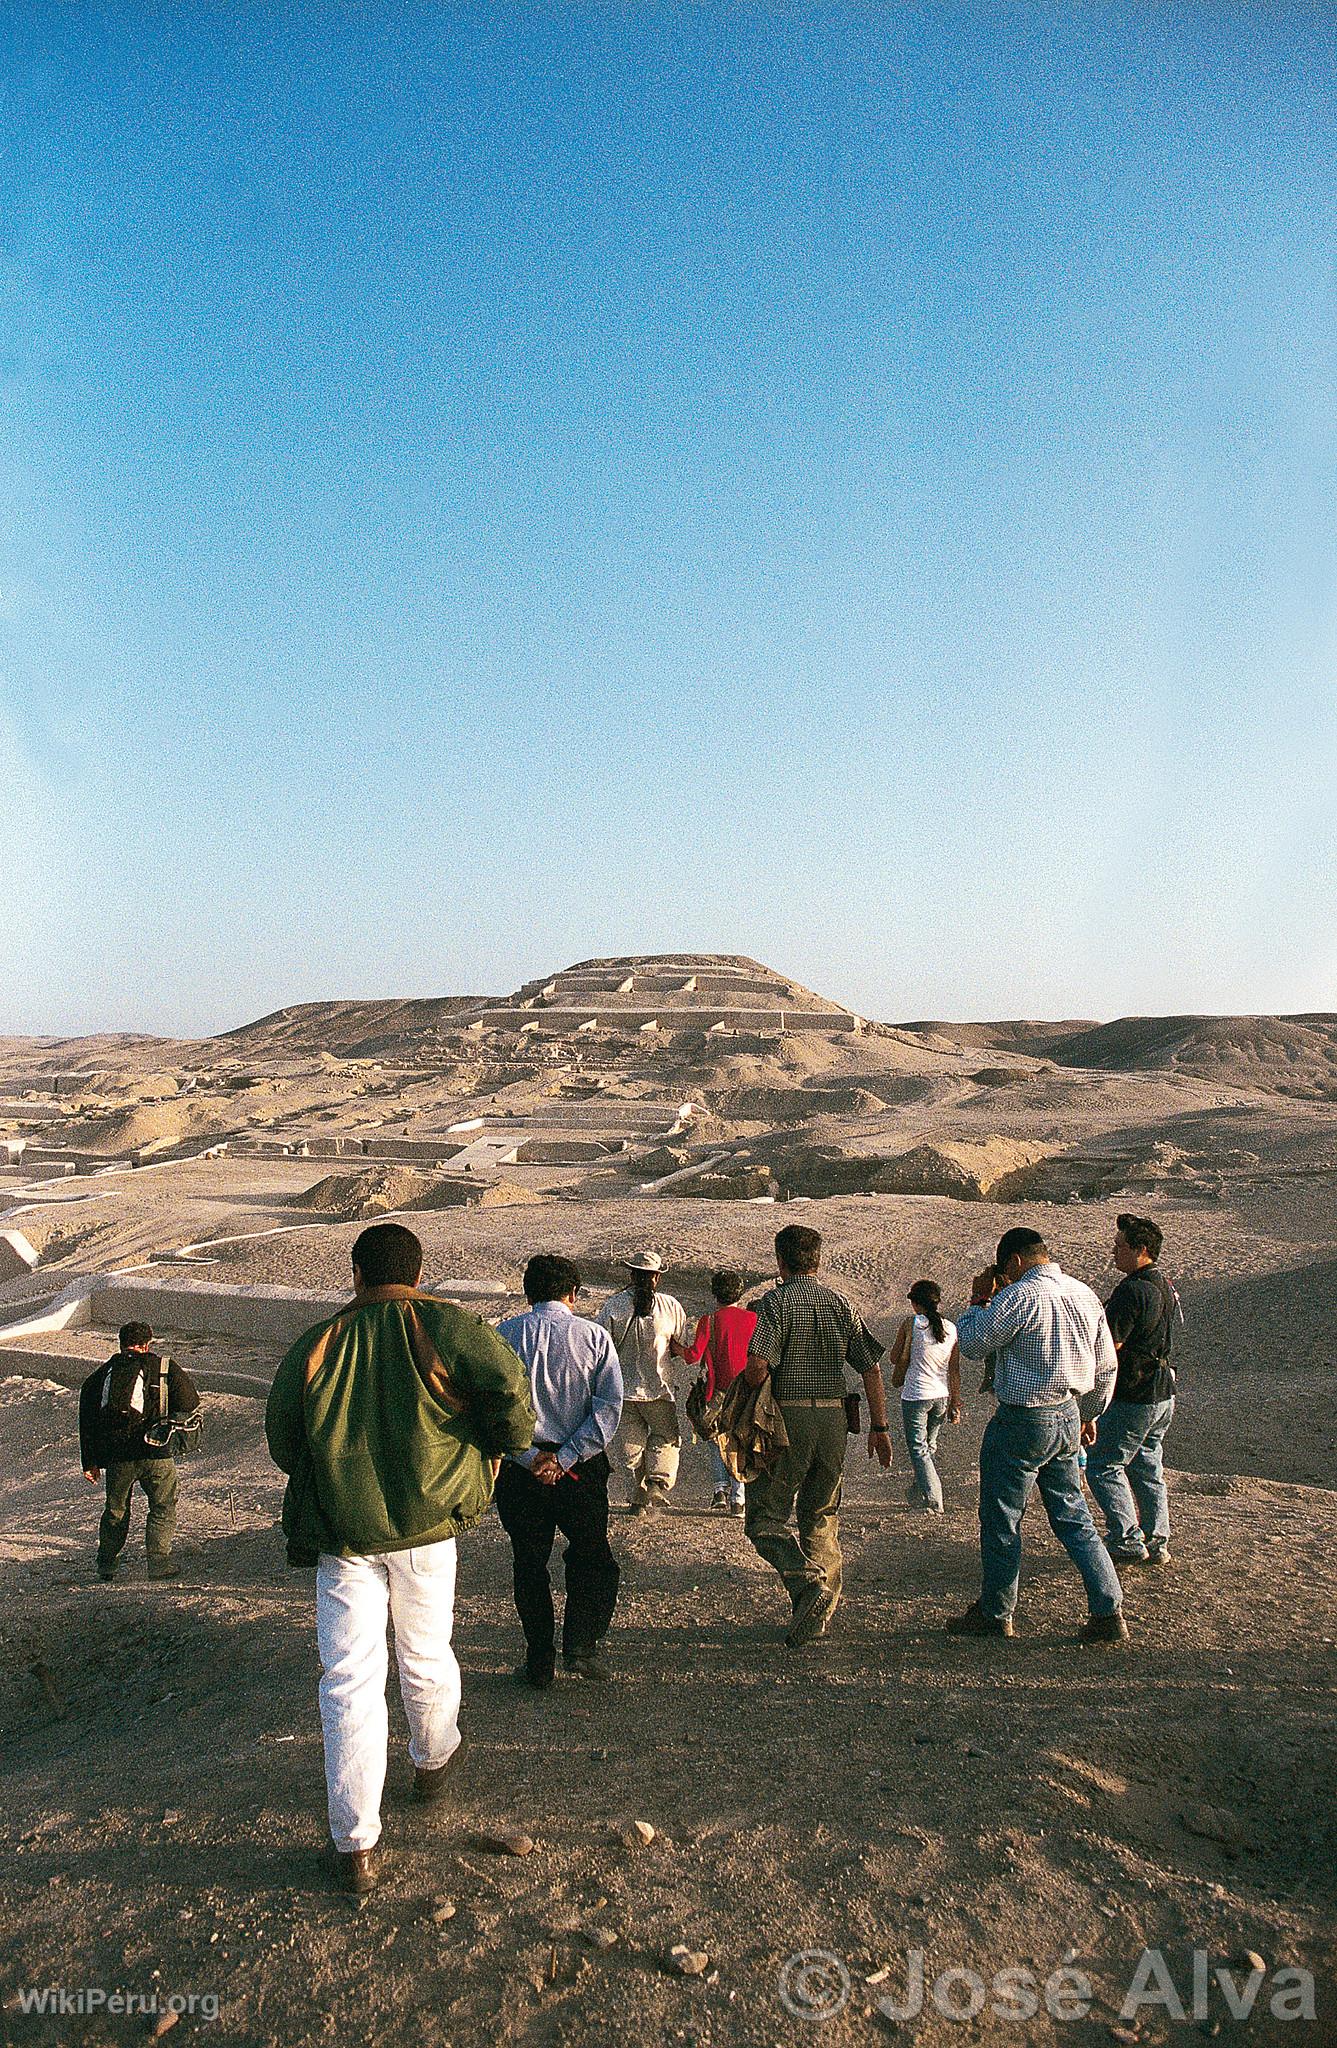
(1048, 1338)
(808, 1334)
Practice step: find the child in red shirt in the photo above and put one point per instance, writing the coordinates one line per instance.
(722, 1339)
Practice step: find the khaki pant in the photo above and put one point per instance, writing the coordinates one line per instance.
(806, 1482)
(157, 1479)
(647, 1443)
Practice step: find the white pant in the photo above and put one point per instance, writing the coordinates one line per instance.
(353, 1596)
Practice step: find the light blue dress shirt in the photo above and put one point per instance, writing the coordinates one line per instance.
(1048, 1338)
(575, 1380)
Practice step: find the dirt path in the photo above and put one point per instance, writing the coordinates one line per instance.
(889, 1791)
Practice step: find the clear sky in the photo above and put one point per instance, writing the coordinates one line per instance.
(486, 486)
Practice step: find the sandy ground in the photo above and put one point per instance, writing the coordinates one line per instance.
(890, 1790)
(887, 1793)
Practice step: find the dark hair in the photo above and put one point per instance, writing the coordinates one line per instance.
(550, 1277)
(1140, 1234)
(726, 1287)
(388, 1255)
(1020, 1243)
(799, 1249)
(134, 1336)
(926, 1294)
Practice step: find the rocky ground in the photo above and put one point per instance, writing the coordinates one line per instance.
(1030, 1805)
(817, 1820)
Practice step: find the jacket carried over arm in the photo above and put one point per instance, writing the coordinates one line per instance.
(388, 1419)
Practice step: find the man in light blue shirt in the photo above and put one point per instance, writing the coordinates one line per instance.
(1054, 1367)
(561, 1481)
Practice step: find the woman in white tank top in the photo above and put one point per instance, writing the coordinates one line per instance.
(927, 1363)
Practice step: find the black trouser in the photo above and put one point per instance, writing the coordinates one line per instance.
(531, 1514)
(157, 1477)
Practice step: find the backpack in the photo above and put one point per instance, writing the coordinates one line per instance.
(125, 1391)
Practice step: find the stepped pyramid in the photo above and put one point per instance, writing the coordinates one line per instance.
(666, 993)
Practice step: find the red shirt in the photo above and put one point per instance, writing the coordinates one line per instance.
(722, 1340)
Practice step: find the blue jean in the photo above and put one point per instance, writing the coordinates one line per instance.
(1125, 1471)
(921, 1421)
(1023, 1448)
(724, 1479)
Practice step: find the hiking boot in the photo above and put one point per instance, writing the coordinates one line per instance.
(164, 1568)
(539, 1676)
(812, 1614)
(588, 1664)
(430, 1785)
(106, 1572)
(656, 1498)
(358, 1870)
(975, 1622)
(1105, 1628)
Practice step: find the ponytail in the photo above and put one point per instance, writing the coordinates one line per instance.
(926, 1294)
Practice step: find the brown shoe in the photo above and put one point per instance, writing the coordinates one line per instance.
(975, 1622)
(1105, 1628)
(812, 1615)
(429, 1786)
(358, 1870)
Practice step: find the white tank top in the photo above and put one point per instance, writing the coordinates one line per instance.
(926, 1379)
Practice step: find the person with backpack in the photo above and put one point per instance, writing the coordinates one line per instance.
(1125, 1468)
(927, 1362)
(128, 1410)
(721, 1341)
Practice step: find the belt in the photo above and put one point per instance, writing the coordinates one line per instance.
(1037, 1407)
(802, 1401)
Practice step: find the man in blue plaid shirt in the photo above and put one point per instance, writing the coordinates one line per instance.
(1054, 1367)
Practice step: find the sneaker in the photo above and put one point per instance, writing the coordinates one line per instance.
(1105, 1628)
(975, 1622)
(1158, 1553)
(539, 1676)
(720, 1502)
(812, 1615)
(656, 1498)
(589, 1664)
(738, 1509)
(1129, 1555)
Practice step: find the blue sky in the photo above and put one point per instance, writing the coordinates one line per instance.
(483, 487)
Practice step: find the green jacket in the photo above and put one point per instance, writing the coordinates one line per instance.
(387, 1420)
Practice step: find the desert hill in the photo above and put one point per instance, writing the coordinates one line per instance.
(1290, 1055)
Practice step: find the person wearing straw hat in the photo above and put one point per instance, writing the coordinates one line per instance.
(649, 1328)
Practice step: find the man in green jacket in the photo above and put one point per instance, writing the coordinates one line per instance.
(390, 1420)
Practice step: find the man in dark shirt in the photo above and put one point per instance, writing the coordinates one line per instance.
(126, 1412)
(806, 1337)
(1124, 1467)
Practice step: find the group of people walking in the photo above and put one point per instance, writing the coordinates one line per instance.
(400, 1419)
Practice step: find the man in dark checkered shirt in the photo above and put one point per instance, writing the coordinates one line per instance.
(806, 1337)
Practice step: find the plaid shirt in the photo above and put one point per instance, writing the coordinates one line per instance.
(1048, 1338)
(808, 1334)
